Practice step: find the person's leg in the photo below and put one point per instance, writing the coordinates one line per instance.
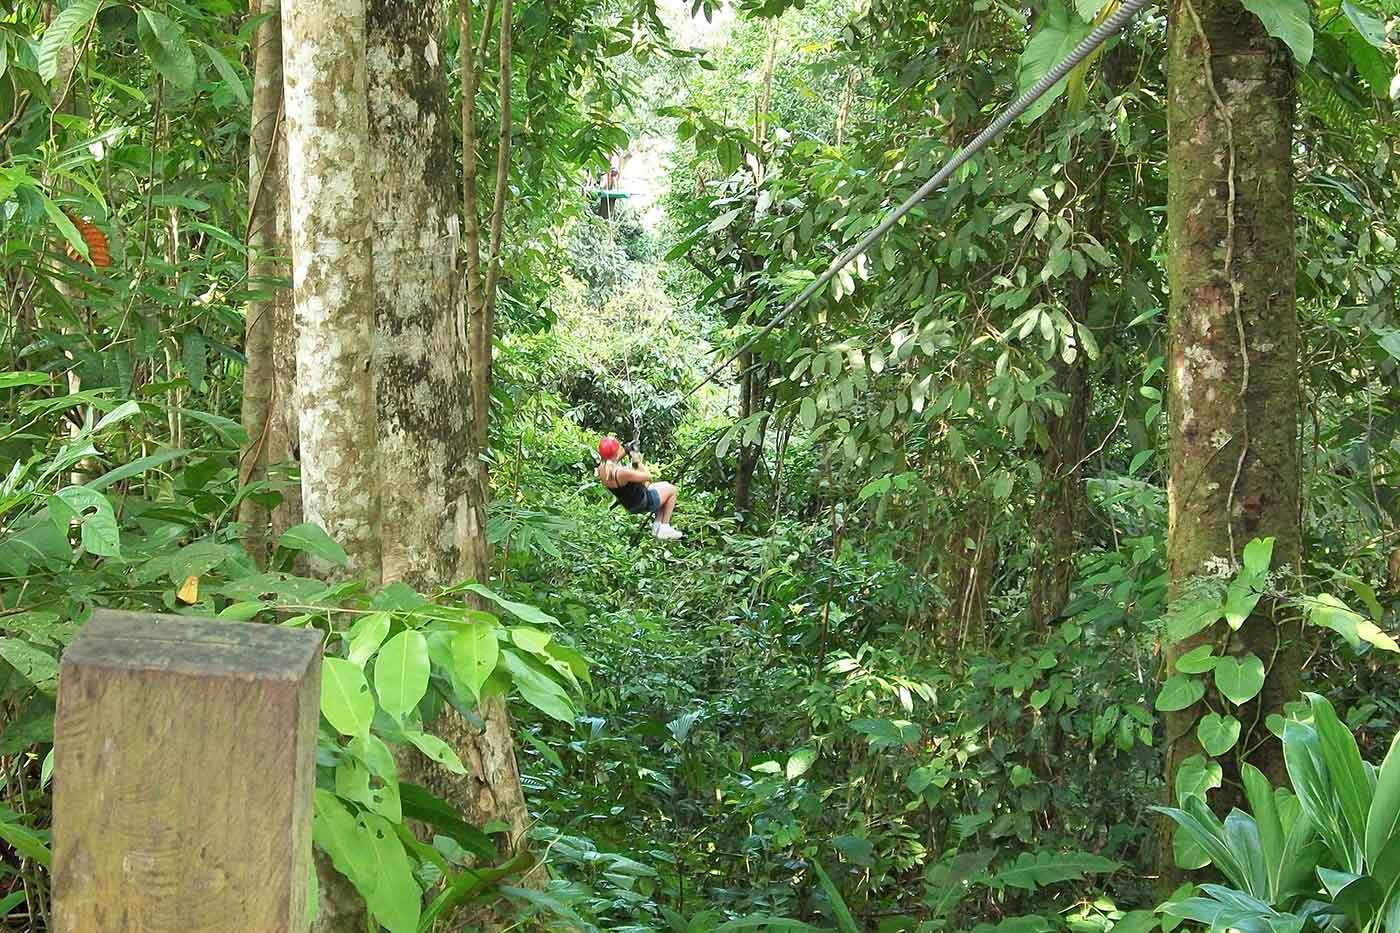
(667, 492)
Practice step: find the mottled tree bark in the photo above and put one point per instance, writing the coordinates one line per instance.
(265, 249)
(423, 384)
(1233, 352)
(765, 95)
(843, 115)
(327, 122)
(431, 480)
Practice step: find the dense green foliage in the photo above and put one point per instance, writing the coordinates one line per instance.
(905, 670)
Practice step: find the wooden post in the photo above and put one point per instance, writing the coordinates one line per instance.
(184, 765)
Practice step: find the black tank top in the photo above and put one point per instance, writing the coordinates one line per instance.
(632, 496)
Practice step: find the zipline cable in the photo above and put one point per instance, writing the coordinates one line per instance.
(1110, 27)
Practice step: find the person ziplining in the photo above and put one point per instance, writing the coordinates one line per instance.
(634, 490)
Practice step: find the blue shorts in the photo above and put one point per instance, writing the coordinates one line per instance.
(653, 503)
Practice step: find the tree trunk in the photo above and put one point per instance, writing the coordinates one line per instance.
(1233, 350)
(432, 525)
(1054, 545)
(423, 383)
(765, 98)
(327, 144)
(265, 171)
(843, 115)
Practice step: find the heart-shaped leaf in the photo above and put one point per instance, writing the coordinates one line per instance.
(1199, 660)
(1218, 734)
(1179, 692)
(1239, 680)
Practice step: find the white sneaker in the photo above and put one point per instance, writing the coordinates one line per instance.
(667, 533)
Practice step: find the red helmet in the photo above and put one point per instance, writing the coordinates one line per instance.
(609, 448)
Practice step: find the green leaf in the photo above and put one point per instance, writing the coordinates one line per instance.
(1239, 680)
(366, 637)
(807, 413)
(395, 900)
(1088, 9)
(1330, 612)
(438, 750)
(1258, 554)
(842, 914)
(60, 33)
(474, 655)
(1240, 600)
(1198, 660)
(1196, 776)
(1057, 32)
(530, 639)
(34, 665)
(26, 842)
(164, 42)
(522, 611)
(135, 468)
(723, 221)
(539, 690)
(345, 698)
(401, 673)
(1289, 21)
(1383, 822)
(314, 541)
(99, 521)
(225, 70)
(12, 380)
(1369, 27)
(1185, 619)
(1343, 758)
(1032, 869)
(65, 226)
(1218, 734)
(799, 762)
(336, 832)
(1179, 692)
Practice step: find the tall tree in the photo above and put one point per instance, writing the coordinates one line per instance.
(266, 244)
(329, 204)
(1232, 359)
(431, 480)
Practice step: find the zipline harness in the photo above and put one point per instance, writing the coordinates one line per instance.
(1110, 27)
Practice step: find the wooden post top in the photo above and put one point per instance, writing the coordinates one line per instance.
(193, 646)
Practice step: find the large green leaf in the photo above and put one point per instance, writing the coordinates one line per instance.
(521, 611)
(163, 40)
(99, 522)
(314, 541)
(474, 655)
(26, 842)
(366, 637)
(1383, 822)
(345, 698)
(1217, 734)
(538, 689)
(34, 665)
(1032, 869)
(1179, 692)
(1344, 767)
(1307, 770)
(1239, 680)
(1328, 611)
(840, 912)
(1197, 776)
(438, 750)
(401, 672)
(60, 34)
(396, 900)
(1288, 20)
(1057, 32)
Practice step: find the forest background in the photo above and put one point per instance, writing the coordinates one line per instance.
(1046, 511)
